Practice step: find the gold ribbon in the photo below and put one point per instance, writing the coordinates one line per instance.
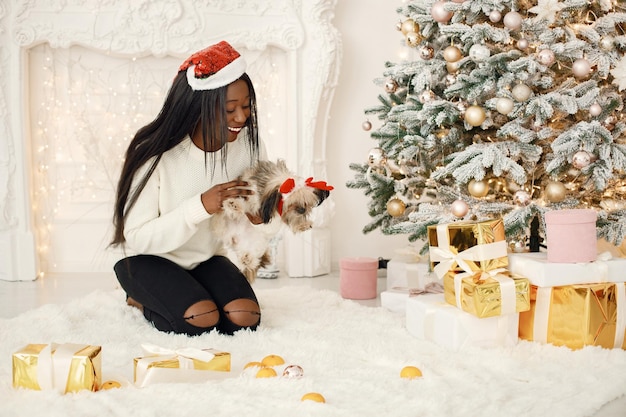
(447, 256)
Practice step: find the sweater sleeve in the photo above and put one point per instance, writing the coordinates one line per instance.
(147, 230)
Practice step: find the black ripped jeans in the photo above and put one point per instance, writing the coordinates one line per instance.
(166, 290)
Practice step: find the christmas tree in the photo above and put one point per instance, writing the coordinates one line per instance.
(511, 109)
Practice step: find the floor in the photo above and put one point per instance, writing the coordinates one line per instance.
(21, 296)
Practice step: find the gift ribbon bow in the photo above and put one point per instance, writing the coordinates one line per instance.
(185, 355)
(290, 185)
(447, 257)
(430, 288)
(53, 365)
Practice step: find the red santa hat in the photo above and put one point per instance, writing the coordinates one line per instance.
(213, 67)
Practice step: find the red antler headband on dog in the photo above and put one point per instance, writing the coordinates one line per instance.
(289, 185)
(213, 67)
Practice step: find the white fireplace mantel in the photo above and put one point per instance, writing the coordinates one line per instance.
(300, 29)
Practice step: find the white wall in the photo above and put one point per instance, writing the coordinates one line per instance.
(369, 37)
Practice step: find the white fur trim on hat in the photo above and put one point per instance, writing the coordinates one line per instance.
(224, 76)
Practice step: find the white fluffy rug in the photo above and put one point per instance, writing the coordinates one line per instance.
(350, 353)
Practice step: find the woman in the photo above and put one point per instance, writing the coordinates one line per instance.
(178, 170)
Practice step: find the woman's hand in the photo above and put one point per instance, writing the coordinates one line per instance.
(213, 198)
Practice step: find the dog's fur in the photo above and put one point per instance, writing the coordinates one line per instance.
(247, 245)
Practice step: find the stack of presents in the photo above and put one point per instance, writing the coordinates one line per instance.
(475, 292)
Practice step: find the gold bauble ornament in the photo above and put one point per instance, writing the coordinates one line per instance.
(396, 207)
(413, 38)
(478, 188)
(452, 67)
(475, 115)
(409, 25)
(555, 192)
(452, 54)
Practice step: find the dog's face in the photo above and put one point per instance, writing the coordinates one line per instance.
(297, 207)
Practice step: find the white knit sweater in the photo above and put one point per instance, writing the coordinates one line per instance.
(168, 218)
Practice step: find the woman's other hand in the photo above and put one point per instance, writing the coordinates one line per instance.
(213, 198)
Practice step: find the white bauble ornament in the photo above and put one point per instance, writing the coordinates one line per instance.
(581, 68)
(452, 54)
(504, 105)
(439, 13)
(595, 110)
(546, 57)
(459, 208)
(555, 192)
(512, 20)
(478, 188)
(475, 115)
(479, 53)
(522, 197)
(293, 372)
(495, 16)
(521, 92)
(376, 158)
(581, 159)
(607, 43)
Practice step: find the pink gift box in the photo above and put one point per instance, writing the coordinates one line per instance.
(571, 235)
(358, 278)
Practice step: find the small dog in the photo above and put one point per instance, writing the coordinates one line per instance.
(278, 193)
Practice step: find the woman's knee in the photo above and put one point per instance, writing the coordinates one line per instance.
(202, 314)
(243, 312)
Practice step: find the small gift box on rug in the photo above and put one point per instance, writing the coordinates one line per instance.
(62, 367)
(487, 294)
(394, 299)
(571, 235)
(429, 317)
(161, 365)
(543, 273)
(467, 246)
(576, 315)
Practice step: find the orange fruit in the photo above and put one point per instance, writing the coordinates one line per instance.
(272, 360)
(410, 372)
(266, 373)
(313, 396)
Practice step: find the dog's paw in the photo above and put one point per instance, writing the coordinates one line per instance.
(248, 260)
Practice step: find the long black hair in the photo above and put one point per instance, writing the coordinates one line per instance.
(181, 113)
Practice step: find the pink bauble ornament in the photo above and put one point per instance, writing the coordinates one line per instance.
(581, 159)
(595, 110)
(426, 52)
(293, 372)
(513, 20)
(391, 85)
(367, 125)
(522, 44)
(581, 68)
(546, 57)
(426, 96)
(439, 13)
(495, 16)
(459, 208)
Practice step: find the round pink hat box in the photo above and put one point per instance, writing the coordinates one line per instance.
(358, 278)
(571, 235)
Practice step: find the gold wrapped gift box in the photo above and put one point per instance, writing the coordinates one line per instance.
(576, 315)
(482, 245)
(178, 367)
(84, 367)
(481, 294)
